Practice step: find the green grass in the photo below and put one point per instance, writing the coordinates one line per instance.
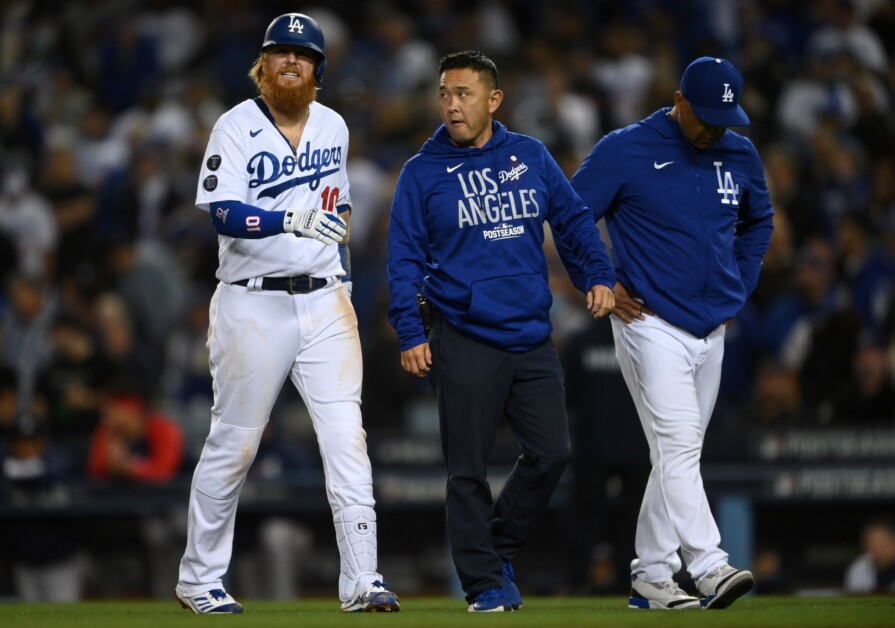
(552, 612)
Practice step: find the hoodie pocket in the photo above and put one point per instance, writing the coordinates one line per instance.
(509, 302)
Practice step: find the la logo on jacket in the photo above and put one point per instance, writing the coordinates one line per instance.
(728, 190)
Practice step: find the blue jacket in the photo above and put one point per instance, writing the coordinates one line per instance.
(688, 227)
(467, 230)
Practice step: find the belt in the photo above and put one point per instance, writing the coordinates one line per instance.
(300, 284)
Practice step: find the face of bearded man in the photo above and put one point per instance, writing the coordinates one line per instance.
(287, 94)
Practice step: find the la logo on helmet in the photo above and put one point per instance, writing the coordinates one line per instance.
(728, 93)
(295, 24)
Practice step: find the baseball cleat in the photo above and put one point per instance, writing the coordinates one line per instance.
(723, 586)
(509, 586)
(491, 601)
(213, 602)
(375, 598)
(660, 595)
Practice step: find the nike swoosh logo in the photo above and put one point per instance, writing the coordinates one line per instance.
(659, 166)
(454, 168)
(254, 133)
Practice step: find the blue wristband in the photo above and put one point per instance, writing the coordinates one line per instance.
(239, 220)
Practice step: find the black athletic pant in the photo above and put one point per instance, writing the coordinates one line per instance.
(476, 386)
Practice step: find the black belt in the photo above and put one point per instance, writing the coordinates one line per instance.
(300, 284)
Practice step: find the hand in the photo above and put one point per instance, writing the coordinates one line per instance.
(626, 307)
(418, 360)
(315, 223)
(600, 301)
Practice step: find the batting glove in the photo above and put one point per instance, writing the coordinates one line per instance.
(315, 223)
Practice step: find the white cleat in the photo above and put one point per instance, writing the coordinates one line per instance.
(723, 586)
(660, 595)
(212, 602)
(375, 598)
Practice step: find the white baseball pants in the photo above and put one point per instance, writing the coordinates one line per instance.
(673, 378)
(256, 340)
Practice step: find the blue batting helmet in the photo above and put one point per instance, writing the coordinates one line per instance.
(297, 29)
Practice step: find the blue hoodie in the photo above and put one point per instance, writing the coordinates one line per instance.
(467, 230)
(689, 228)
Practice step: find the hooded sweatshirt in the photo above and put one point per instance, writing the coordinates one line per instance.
(467, 231)
(689, 228)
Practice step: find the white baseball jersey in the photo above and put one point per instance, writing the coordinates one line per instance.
(249, 160)
(258, 338)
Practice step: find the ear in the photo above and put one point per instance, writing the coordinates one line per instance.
(494, 100)
(679, 101)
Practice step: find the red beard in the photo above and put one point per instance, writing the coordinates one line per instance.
(288, 98)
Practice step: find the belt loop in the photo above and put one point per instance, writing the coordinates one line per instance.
(254, 284)
(290, 285)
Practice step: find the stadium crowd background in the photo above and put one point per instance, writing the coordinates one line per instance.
(105, 110)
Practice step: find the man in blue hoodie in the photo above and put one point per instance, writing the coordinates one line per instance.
(690, 219)
(466, 233)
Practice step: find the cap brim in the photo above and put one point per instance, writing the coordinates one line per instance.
(274, 42)
(721, 117)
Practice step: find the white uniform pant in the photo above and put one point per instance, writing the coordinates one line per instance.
(256, 340)
(673, 378)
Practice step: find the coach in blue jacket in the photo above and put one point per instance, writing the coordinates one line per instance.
(467, 231)
(689, 217)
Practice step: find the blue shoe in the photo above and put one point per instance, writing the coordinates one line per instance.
(491, 601)
(375, 598)
(509, 585)
(215, 601)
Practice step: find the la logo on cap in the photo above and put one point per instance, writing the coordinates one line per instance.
(728, 93)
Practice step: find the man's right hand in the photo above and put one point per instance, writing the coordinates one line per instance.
(315, 223)
(418, 360)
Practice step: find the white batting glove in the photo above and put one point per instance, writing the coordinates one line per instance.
(315, 223)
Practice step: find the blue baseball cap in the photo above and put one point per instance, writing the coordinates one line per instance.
(713, 88)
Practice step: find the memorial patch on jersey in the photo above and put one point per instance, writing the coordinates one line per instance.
(210, 183)
(214, 162)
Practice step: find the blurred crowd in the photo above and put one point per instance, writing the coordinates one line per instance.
(108, 267)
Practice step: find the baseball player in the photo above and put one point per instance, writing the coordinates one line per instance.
(274, 182)
(688, 213)
(467, 229)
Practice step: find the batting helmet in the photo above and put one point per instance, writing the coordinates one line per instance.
(297, 29)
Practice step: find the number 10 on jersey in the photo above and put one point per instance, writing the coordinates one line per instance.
(329, 195)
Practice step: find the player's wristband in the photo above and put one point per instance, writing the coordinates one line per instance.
(239, 220)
